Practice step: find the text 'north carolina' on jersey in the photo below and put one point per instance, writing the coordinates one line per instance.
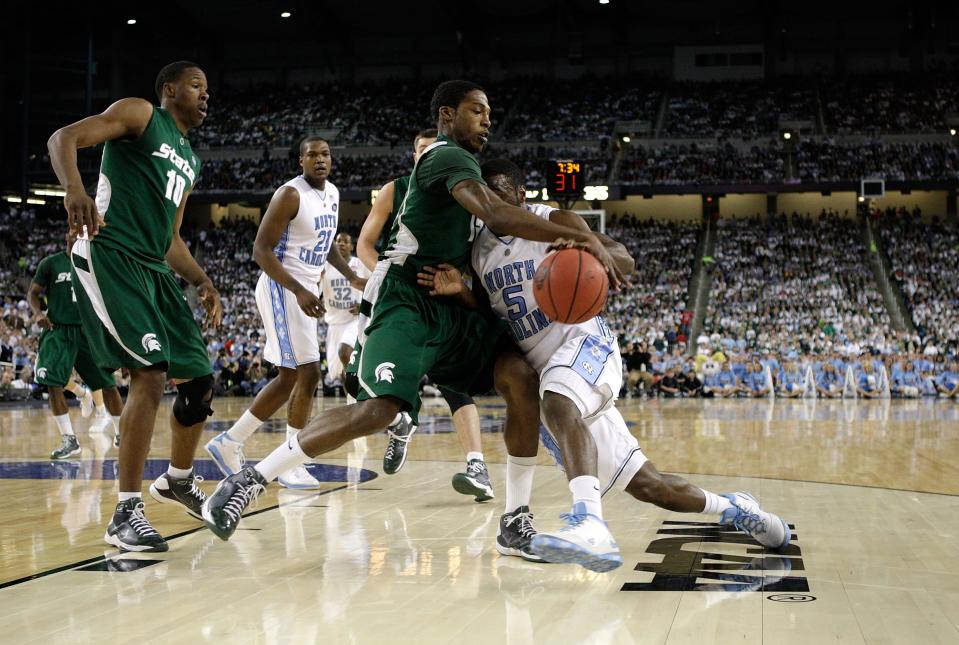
(338, 296)
(431, 227)
(506, 266)
(142, 184)
(307, 239)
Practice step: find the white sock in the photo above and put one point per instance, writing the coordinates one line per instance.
(585, 489)
(396, 419)
(102, 410)
(715, 504)
(125, 496)
(116, 423)
(350, 400)
(178, 473)
(286, 457)
(244, 427)
(63, 424)
(519, 481)
(470, 456)
(291, 431)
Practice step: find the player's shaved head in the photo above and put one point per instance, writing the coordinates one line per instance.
(306, 141)
(505, 168)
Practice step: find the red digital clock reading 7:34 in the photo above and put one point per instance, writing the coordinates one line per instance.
(565, 178)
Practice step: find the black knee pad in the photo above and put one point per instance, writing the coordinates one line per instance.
(351, 383)
(192, 404)
(456, 400)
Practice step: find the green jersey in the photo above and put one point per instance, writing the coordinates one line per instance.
(431, 227)
(400, 186)
(54, 276)
(142, 183)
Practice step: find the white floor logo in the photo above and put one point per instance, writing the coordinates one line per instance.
(384, 372)
(150, 343)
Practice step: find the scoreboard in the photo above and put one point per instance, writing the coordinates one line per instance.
(565, 178)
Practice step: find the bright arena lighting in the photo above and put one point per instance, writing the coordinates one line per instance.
(626, 139)
(603, 1)
(285, 14)
(131, 21)
(787, 136)
(952, 131)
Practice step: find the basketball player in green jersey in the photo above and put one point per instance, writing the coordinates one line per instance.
(411, 334)
(378, 226)
(63, 347)
(133, 311)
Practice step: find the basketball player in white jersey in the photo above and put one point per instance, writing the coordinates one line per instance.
(294, 242)
(580, 377)
(342, 303)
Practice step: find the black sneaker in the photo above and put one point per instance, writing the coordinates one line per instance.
(400, 435)
(515, 532)
(129, 530)
(222, 510)
(69, 447)
(185, 492)
(475, 481)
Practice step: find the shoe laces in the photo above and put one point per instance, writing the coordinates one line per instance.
(194, 489)
(140, 523)
(475, 467)
(241, 498)
(392, 445)
(750, 523)
(572, 520)
(525, 521)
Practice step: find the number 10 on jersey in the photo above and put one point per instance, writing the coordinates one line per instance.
(175, 186)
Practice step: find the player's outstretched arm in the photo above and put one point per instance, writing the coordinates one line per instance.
(624, 261)
(180, 259)
(506, 219)
(373, 226)
(125, 119)
(446, 280)
(283, 208)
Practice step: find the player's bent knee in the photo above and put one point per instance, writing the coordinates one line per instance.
(309, 373)
(456, 400)
(512, 375)
(192, 404)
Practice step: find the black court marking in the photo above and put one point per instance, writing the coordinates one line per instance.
(102, 558)
(119, 565)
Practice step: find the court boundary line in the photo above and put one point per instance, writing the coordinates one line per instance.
(104, 558)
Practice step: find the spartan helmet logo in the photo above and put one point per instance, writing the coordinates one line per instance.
(384, 372)
(150, 343)
(42, 372)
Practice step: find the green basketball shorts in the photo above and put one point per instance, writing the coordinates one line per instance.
(134, 316)
(63, 349)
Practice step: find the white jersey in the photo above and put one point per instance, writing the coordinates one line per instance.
(305, 243)
(338, 296)
(505, 266)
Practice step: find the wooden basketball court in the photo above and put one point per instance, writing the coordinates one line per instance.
(869, 487)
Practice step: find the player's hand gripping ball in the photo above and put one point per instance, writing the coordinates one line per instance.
(570, 286)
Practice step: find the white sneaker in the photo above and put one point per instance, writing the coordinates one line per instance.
(585, 540)
(766, 528)
(226, 454)
(298, 478)
(86, 403)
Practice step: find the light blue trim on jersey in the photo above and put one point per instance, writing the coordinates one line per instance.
(282, 325)
(280, 249)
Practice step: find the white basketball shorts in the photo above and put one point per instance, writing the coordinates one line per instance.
(291, 335)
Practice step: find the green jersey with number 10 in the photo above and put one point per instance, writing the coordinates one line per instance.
(142, 184)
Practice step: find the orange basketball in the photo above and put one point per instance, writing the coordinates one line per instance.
(570, 286)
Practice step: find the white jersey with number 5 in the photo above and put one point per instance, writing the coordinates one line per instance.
(505, 266)
(307, 239)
